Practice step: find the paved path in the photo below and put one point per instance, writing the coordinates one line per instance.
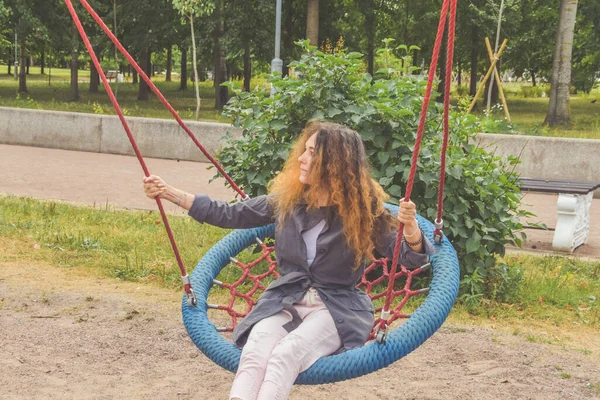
(95, 178)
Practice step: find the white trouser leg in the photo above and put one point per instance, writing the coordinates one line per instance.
(316, 337)
(255, 354)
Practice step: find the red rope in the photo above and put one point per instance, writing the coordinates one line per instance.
(449, 63)
(187, 287)
(247, 275)
(415, 156)
(159, 95)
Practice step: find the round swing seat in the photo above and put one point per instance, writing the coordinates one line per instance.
(423, 322)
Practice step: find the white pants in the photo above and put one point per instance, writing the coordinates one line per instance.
(272, 358)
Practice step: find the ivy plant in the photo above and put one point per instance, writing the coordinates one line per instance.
(481, 197)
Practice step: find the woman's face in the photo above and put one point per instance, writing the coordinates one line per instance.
(306, 159)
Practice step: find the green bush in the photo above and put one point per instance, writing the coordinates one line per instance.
(462, 91)
(482, 194)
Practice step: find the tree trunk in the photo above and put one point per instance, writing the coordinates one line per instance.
(169, 63)
(370, 28)
(146, 66)
(42, 62)
(559, 111)
(459, 77)
(312, 22)
(474, 60)
(442, 68)
(287, 38)
(195, 62)
(221, 92)
(135, 79)
(28, 62)
(183, 76)
(94, 79)
(247, 65)
(74, 64)
(23, 70)
(533, 81)
(406, 22)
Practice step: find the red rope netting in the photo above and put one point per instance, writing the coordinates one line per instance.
(250, 284)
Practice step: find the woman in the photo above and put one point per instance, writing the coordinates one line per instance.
(329, 215)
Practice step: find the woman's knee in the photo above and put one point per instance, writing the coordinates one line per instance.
(258, 348)
(289, 352)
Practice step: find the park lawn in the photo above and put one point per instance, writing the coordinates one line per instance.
(556, 293)
(56, 96)
(527, 114)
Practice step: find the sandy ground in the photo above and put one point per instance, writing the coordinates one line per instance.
(64, 335)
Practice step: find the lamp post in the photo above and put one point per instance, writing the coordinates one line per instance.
(277, 63)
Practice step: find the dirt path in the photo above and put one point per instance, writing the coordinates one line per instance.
(68, 336)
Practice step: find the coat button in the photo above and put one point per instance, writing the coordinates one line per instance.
(340, 320)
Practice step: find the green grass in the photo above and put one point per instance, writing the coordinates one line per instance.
(125, 245)
(56, 96)
(133, 246)
(528, 115)
(557, 290)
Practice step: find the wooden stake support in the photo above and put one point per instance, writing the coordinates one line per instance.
(494, 58)
(498, 81)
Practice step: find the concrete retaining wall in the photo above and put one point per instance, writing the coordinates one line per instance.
(549, 158)
(541, 157)
(104, 133)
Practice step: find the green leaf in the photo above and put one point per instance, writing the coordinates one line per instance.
(318, 115)
(395, 191)
(472, 245)
(383, 157)
(332, 112)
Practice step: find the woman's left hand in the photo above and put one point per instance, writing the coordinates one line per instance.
(407, 215)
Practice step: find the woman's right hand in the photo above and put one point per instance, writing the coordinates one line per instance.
(154, 186)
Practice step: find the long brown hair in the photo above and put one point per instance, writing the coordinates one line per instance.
(340, 169)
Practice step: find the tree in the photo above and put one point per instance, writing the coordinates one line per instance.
(74, 63)
(221, 93)
(312, 22)
(191, 9)
(530, 49)
(586, 47)
(559, 112)
(147, 28)
(24, 18)
(241, 19)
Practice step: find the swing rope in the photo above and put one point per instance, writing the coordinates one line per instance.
(385, 314)
(449, 62)
(192, 301)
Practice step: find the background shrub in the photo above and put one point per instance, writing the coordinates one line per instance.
(482, 196)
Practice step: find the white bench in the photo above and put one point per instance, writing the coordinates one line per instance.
(573, 208)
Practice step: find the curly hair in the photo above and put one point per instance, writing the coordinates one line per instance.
(341, 171)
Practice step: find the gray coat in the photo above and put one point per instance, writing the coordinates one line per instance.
(331, 272)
